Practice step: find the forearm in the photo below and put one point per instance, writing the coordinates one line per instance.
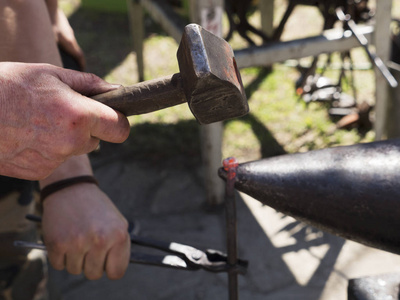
(52, 6)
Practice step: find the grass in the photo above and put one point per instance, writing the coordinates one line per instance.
(278, 122)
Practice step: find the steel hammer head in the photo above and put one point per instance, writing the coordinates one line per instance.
(211, 79)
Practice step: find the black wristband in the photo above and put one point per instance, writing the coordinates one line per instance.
(62, 184)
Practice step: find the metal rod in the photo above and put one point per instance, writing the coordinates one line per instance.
(29, 245)
(230, 165)
(330, 41)
(364, 43)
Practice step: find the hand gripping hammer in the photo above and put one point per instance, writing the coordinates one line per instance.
(209, 81)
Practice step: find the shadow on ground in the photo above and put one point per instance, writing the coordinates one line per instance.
(168, 202)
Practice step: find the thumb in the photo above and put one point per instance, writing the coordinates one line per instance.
(86, 84)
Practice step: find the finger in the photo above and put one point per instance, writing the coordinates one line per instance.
(108, 124)
(56, 251)
(74, 263)
(84, 83)
(73, 49)
(81, 61)
(57, 260)
(91, 145)
(94, 264)
(80, 57)
(117, 260)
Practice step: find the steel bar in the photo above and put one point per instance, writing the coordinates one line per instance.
(230, 165)
(330, 41)
(29, 245)
(364, 43)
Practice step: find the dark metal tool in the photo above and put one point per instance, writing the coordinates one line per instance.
(185, 257)
(182, 257)
(350, 191)
(230, 165)
(376, 60)
(209, 81)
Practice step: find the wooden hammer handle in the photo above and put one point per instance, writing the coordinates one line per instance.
(145, 97)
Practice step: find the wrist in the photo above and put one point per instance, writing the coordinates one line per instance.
(65, 183)
(73, 167)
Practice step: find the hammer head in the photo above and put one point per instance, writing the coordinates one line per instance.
(211, 79)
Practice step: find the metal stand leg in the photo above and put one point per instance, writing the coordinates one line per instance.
(135, 13)
(267, 16)
(382, 44)
(208, 14)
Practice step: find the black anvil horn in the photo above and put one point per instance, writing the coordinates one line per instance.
(350, 191)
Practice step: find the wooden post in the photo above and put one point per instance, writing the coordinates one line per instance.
(208, 14)
(135, 13)
(382, 45)
(267, 16)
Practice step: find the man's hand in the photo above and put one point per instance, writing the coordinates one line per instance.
(84, 231)
(45, 119)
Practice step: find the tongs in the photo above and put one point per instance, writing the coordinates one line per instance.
(181, 256)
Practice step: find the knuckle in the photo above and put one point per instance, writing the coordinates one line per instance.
(99, 239)
(56, 263)
(79, 122)
(74, 271)
(78, 243)
(115, 274)
(63, 150)
(93, 276)
(121, 233)
(57, 266)
(57, 246)
(92, 78)
(89, 80)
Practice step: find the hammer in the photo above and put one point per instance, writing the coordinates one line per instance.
(209, 81)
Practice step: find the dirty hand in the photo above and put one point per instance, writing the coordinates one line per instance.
(66, 38)
(84, 231)
(45, 119)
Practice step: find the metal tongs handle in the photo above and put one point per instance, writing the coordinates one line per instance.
(376, 60)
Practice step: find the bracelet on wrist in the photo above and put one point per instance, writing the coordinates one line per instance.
(62, 184)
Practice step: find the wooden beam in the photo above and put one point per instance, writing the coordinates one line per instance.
(168, 19)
